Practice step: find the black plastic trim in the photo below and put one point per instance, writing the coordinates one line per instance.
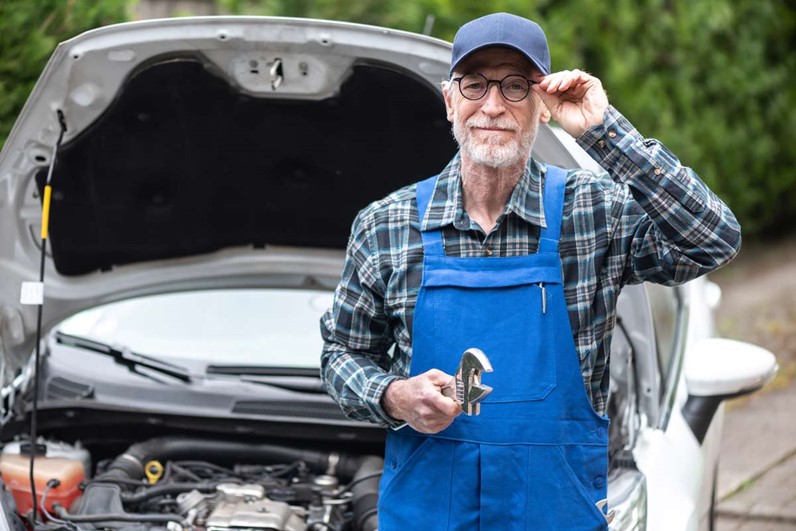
(699, 411)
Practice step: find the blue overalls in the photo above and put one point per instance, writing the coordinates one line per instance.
(536, 457)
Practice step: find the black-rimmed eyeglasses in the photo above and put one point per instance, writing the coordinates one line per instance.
(514, 87)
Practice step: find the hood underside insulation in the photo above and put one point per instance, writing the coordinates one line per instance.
(183, 163)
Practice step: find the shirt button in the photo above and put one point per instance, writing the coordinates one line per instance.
(393, 464)
(488, 250)
(612, 134)
(601, 432)
(599, 481)
(658, 171)
(601, 143)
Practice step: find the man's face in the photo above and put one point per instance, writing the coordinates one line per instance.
(494, 131)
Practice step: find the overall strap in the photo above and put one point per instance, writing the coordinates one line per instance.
(554, 185)
(432, 240)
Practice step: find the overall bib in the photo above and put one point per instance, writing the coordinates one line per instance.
(536, 457)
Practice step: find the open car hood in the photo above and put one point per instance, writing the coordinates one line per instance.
(212, 152)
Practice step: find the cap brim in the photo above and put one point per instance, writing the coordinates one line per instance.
(499, 45)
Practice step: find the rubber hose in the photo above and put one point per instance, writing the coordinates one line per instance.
(365, 493)
(131, 463)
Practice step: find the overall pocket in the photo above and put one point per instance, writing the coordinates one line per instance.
(416, 484)
(568, 503)
(514, 327)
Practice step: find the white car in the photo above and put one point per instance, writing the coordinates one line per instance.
(202, 175)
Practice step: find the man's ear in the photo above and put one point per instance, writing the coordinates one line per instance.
(544, 116)
(448, 101)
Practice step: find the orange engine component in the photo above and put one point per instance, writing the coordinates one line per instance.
(15, 470)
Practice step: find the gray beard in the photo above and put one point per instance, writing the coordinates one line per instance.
(494, 154)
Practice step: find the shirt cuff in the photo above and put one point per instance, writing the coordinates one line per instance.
(374, 392)
(601, 140)
(643, 164)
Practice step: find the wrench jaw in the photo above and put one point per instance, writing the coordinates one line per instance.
(472, 406)
(469, 391)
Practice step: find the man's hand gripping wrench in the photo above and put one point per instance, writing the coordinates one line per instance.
(465, 387)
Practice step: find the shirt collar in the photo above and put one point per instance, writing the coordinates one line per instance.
(447, 208)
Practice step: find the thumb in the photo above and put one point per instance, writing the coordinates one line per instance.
(437, 377)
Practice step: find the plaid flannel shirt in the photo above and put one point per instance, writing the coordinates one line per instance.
(648, 219)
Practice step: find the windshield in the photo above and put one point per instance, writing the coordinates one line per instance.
(258, 327)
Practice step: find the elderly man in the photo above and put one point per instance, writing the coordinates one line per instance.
(525, 262)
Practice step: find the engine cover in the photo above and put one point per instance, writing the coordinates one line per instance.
(245, 507)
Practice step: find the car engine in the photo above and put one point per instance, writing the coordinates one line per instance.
(176, 483)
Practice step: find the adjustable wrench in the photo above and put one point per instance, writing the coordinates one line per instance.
(465, 387)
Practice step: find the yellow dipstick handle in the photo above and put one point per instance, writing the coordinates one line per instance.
(153, 470)
(45, 211)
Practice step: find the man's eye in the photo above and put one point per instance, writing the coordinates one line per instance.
(474, 85)
(515, 85)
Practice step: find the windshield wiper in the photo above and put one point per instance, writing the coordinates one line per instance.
(124, 356)
(259, 370)
(303, 379)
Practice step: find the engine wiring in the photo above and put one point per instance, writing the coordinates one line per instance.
(52, 484)
(292, 483)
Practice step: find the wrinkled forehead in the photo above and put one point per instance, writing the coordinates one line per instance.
(497, 59)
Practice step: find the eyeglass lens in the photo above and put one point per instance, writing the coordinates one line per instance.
(475, 86)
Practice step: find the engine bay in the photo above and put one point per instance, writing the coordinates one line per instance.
(178, 483)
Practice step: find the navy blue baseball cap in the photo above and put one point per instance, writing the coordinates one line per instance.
(506, 31)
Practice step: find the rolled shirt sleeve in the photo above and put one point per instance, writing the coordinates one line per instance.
(355, 361)
(675, 228)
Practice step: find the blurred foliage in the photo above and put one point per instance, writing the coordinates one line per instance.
(29, 32)
(715, 80)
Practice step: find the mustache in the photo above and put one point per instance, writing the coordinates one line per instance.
(486, 123)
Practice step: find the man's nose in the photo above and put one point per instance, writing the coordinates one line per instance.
(493, 103)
